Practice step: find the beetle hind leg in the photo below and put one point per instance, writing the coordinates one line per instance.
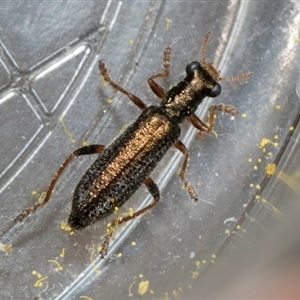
(154, 191)
(91, 149)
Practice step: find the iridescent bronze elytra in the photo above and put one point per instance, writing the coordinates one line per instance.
(127, 162)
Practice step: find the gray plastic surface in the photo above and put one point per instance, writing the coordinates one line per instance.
(52, 100)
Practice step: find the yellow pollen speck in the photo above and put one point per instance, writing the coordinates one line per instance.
(131, 42)
(41, 197)
(216, 135)
(85, 297)
(64, 226)
(59, 267)
(62, 254)
(257, 187)
(66, 131)
(92, 261)
(264, 142)
(227, 232)
(270, 169)
(278, 107)
(39, 282)
(255, 167)
(244, 115)
(175, 294)
(168, 23)
(108, 228)
(133, 243)
(249, 160)
(129, 290)
(130, 212)
(143, 287)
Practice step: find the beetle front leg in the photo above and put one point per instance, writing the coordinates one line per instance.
(155, 87)
(136, 100)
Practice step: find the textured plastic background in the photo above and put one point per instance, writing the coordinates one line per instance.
(52, 101)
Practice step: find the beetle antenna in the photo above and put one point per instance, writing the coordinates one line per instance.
(203, 48)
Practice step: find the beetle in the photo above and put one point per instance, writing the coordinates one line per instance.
(124, 165)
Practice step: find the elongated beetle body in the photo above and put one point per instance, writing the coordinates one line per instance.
(123, 166)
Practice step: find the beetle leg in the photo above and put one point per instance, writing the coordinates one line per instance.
(156, 88)
(181, 147)
(199, 124)
(154, 191)
(91, 149)
(104, 72)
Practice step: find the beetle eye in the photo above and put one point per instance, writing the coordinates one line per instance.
(191, 66)
(215, 91)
